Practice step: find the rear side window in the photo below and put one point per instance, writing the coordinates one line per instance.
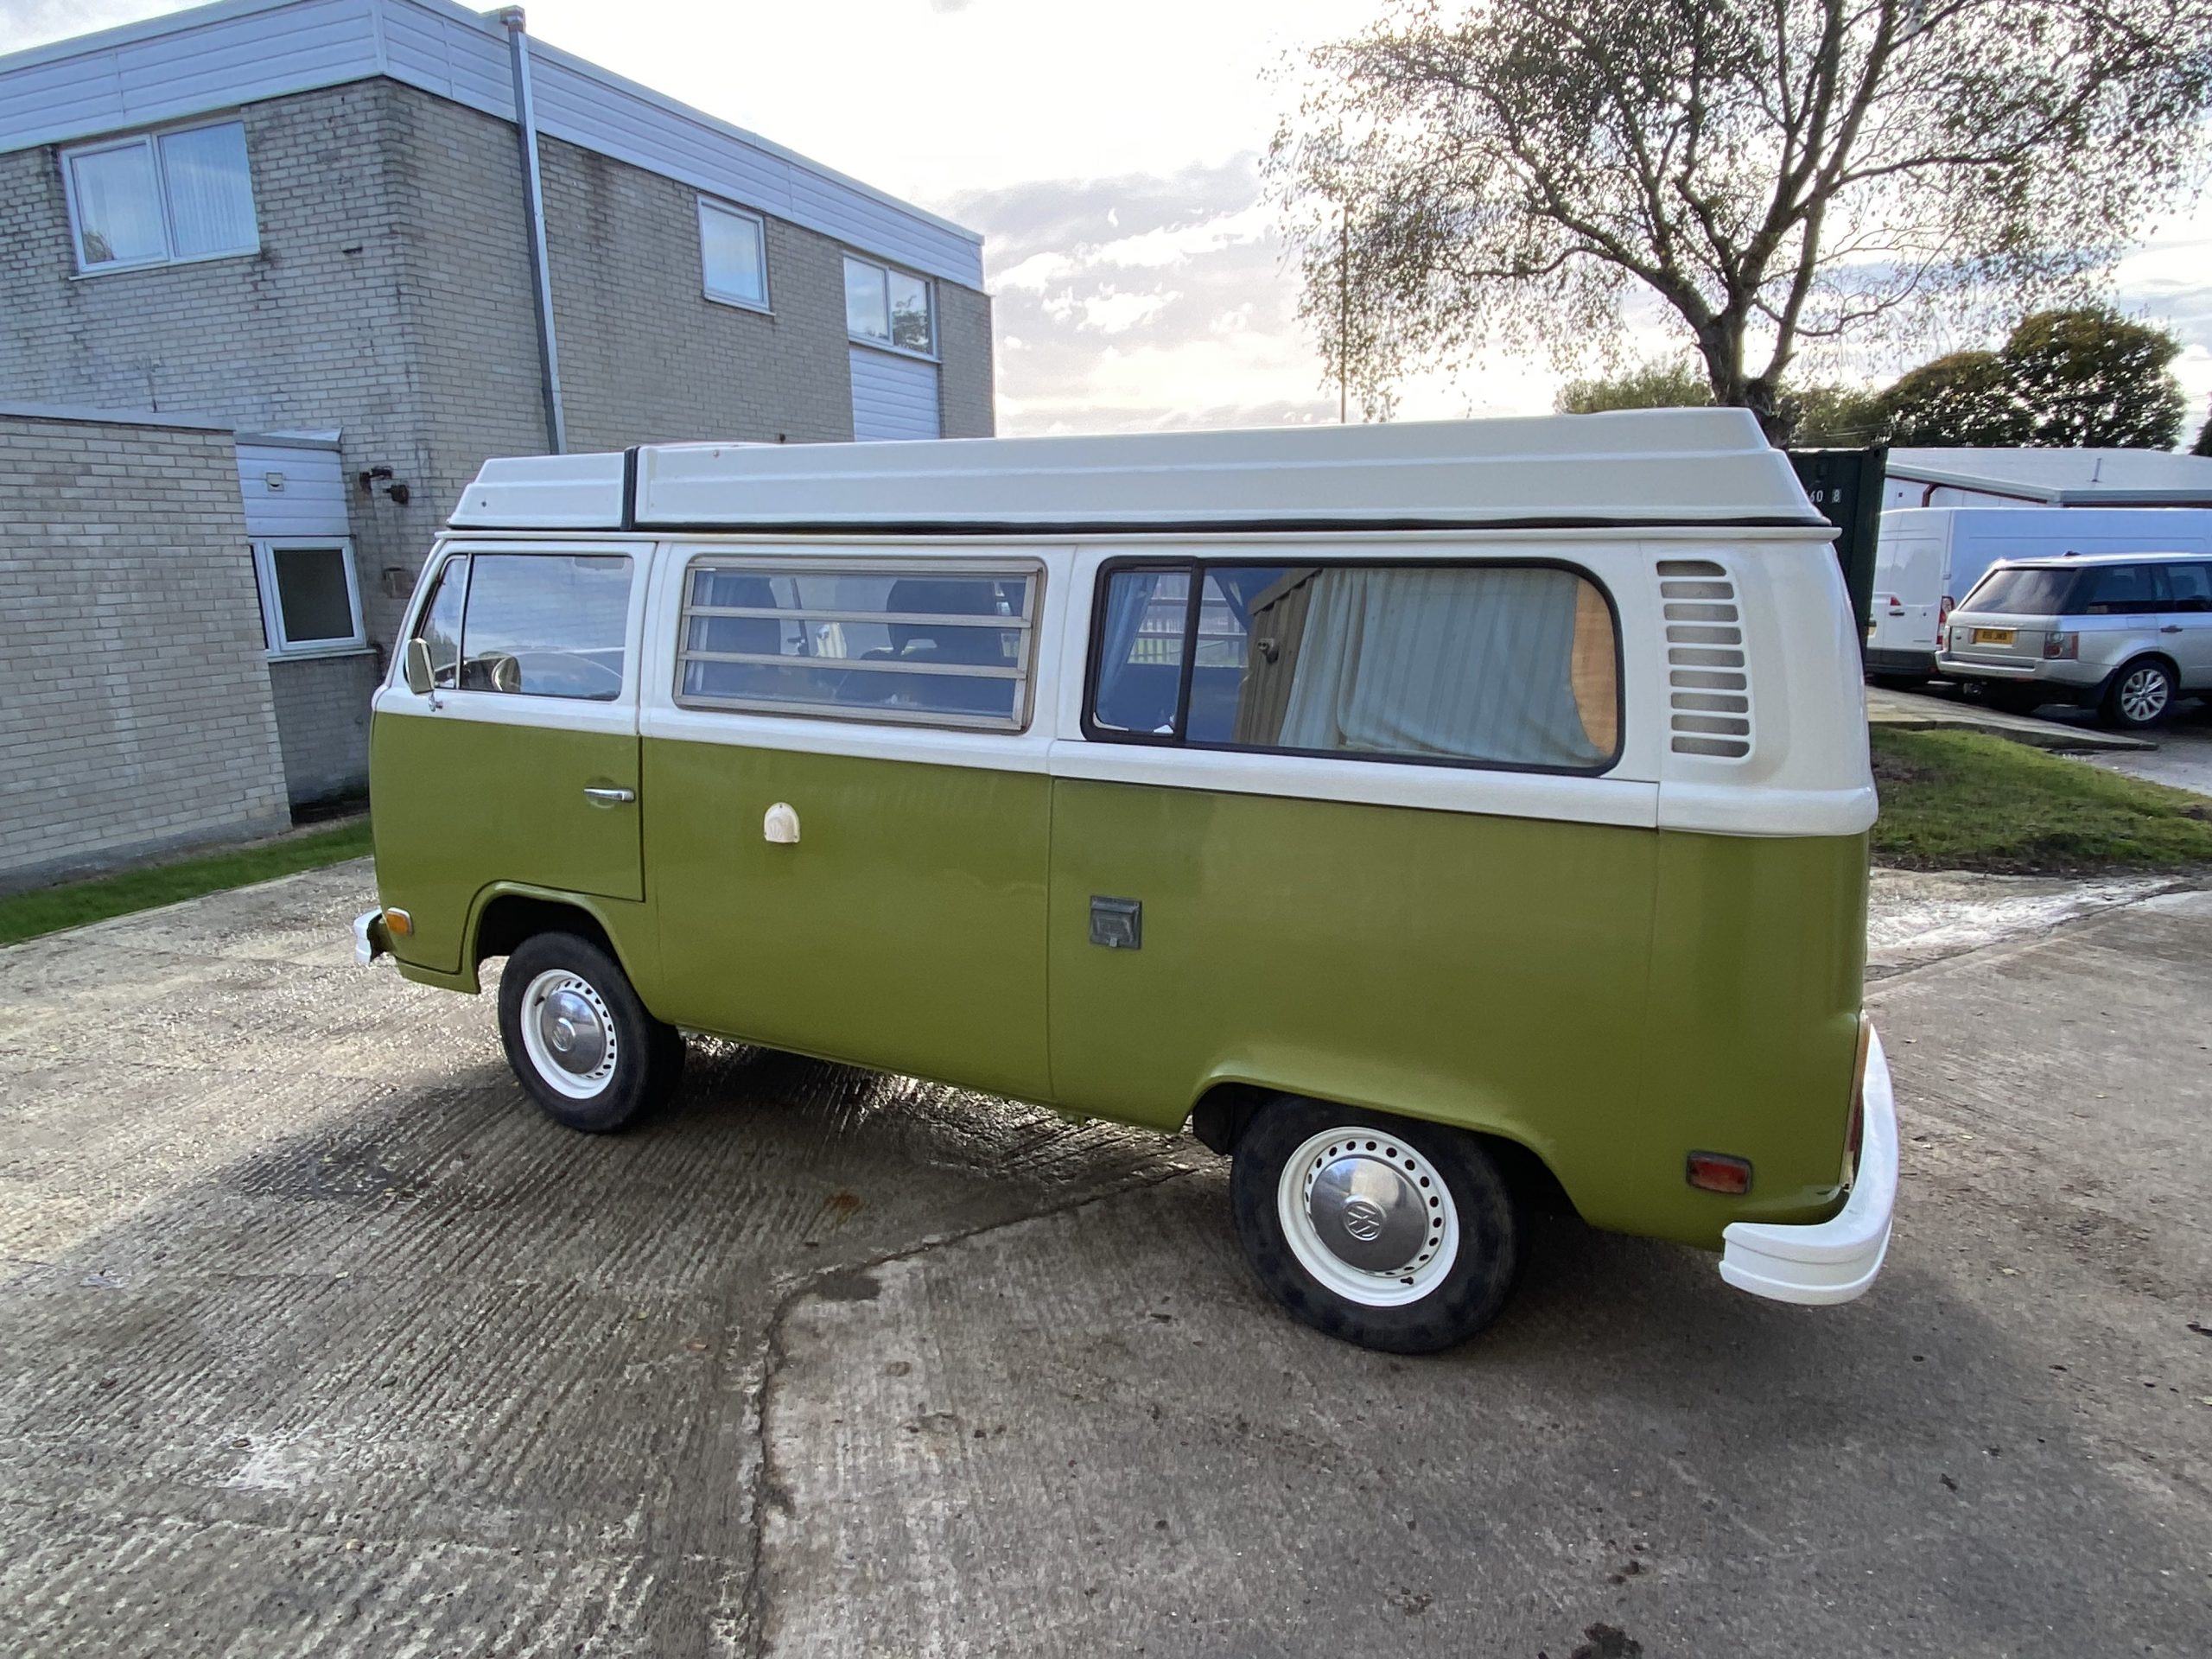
(1507, 666)
(2023, 593)
(536, 624)
(2192, 586)
(2122, 590)
(916, 644)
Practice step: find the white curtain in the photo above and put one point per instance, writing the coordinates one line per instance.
(1469, 664)
(211, 191)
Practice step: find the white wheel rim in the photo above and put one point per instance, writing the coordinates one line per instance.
(1366, 1154)
(562, 1015)
(2143, 695)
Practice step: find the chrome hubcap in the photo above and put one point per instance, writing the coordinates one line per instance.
(569, 1034)
(572, 1030)
(1368, 1213)
(2143, 695)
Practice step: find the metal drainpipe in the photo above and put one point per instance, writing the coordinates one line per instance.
(533, 197)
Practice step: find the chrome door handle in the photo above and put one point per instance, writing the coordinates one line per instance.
(608, 797)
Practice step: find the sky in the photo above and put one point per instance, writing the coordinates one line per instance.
(1109, 154)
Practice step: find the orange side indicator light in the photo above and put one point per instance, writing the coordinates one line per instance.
(398, 924)
(1716, 1172)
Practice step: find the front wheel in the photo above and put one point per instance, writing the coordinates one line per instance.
(2141, 695)
(1393, 1235)
(578, 1038)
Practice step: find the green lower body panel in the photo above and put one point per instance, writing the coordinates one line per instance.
(1612, 999)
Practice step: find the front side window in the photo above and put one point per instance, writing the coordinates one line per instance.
(733, 255)
(309, 603)
(538, 624)
(888, 307)
(1492, 665)
(162, 197)
(924, 645)
(440, 627)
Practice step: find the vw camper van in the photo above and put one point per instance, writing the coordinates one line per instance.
(1422, 814)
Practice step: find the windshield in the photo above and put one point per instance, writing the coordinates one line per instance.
(2028, 592)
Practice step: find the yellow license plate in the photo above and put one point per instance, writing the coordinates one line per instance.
(1994, 635)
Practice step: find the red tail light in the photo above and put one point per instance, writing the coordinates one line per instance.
(1943, 610)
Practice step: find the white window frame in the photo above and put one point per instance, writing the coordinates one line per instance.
(148, 140)
(764, 304)
(875, 343)
(265, 550)
(1023, 672)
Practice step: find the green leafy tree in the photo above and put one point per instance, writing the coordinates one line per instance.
(1773, 172)
(2203, 444)
(1960, 399)
(1661, 383)
(1810, 417)
(1834, 417)
(2084, 377)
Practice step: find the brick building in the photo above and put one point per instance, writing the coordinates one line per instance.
(311, 222)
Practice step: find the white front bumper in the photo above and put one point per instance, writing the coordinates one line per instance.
(1830, 1261)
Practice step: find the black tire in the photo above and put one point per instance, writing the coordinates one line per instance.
(2014, 699)
(1467, 1293)
(646, 1059)
(2141, 696)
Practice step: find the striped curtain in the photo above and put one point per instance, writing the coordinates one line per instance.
(1466, 664)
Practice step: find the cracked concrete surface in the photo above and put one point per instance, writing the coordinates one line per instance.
(314, 1338)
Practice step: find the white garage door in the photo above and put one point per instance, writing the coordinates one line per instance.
(893, 396)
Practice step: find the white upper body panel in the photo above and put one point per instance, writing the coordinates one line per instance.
(1802, 770)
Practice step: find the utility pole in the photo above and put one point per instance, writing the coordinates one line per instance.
(1343, 314)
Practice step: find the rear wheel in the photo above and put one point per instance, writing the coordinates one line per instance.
(1394, 1235)
(2141, 695)
(578, 1038)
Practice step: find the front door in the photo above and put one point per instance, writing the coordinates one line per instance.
(2190, 584)
(892, 913)
(520, 764)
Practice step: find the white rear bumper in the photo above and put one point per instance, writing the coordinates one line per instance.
(1830, 1261)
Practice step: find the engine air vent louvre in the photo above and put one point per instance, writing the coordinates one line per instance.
(1708, 674)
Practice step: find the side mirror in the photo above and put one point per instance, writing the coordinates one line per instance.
(421, 678)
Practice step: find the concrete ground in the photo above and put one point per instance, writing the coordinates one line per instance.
(2183, 757)
(314, 1338)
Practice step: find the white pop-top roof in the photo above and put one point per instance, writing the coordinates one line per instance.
(2062, 477)
(1640, 467)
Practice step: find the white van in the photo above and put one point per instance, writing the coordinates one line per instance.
(1430, 816)
(1930, 558)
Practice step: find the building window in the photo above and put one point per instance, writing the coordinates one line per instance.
(311, 605)
(924, 644)
(1506, 666)
(161, 197)
(734, 255)
(886, 306)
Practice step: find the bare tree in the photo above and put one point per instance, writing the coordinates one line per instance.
(1777, 172)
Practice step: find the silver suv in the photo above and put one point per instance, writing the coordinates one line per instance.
(2126, 633)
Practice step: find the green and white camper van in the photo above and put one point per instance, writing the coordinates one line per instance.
(1416, 811)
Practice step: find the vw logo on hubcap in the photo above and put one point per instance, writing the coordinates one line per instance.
(1362, 1219)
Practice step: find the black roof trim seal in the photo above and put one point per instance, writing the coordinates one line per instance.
(1197, 526)
(630, 488)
